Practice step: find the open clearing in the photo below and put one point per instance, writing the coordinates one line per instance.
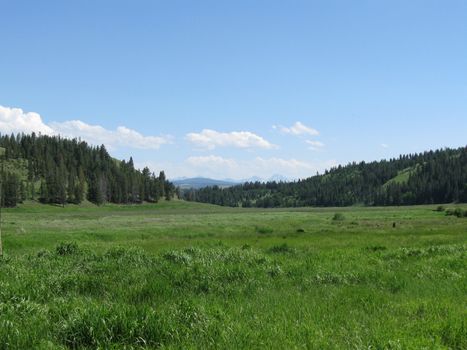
(188, 275)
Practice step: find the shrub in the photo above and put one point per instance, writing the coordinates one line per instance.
(338, 217)
(69, 248)
(458, 212)
(440, 208)
(264, 230)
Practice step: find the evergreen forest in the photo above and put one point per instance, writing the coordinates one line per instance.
(56, 170)
(425, 178)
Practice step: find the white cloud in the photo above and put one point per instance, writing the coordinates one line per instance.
(211, 139)
(219, 167)
(384, 145)
(16, 120)
(284, 164)
(297, 129)
(120, 137)
(314, 145)
(211, 161)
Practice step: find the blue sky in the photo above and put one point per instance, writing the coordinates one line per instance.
(233, 89)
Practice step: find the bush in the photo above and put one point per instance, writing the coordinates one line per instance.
(338, 217)
(69, 248)
(440, 208)
(458, 212)
(264, 230)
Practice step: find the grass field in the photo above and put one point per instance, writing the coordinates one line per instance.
(180, 275)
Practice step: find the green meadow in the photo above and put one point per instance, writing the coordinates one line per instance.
(179, 275)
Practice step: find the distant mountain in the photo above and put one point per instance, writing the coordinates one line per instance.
(201, 182)
(278, 178)
(252, 179)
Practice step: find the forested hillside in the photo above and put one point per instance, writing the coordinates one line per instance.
(431, 177)
(60, 171)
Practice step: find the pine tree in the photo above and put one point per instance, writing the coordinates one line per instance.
(161, 184)
(80, 187)
(32, 190)
(10, 190)
(44, 193)
(22, 191)
(95, 194)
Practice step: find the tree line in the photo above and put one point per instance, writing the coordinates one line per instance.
(57, 170)
(431, 177)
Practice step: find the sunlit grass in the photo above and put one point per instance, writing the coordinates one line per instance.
(185, 275)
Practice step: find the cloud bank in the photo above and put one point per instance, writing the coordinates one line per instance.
(120, 137)
(215, 166)
(15, 120)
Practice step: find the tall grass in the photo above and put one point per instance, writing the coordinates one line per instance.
(213, 280)
(232, 297)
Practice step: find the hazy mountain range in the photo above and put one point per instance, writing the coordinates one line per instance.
(201, 182)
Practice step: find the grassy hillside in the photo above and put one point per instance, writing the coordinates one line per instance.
(190, 275)
(17, 166)
(402, 176)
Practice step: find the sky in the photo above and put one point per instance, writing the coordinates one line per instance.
(235, 89)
